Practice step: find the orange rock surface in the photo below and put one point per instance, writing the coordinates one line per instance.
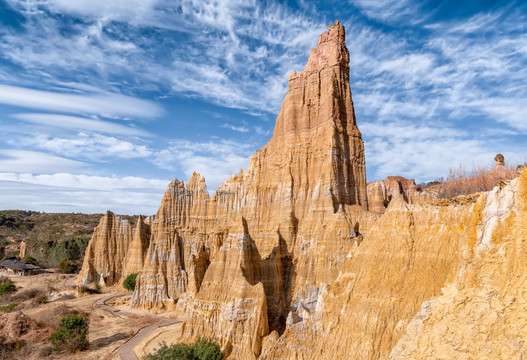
(381, 192)
(285, 262)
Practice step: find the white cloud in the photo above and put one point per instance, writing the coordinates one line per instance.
(81, 181)
(32, 161)
(78, 123)
(93, 147)
(511, 111)
(389, 11)
(65, 192)
(104, 104)
(216, 161)
(241, 129)
(234, 53)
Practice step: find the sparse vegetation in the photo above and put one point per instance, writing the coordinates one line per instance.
(31, 260)
(83, 289)
(7, 286)
(41, 300)
(11, 256)
(129, 282)
(72, 335)
(27, 294)
(201, 349)
(461, 181)
(48, 237)
(8, 308)
(65, 266)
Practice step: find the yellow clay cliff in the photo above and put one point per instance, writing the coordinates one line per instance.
(285, 261)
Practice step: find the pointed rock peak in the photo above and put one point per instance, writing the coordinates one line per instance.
(109, 213)
(175, 183)
(397, 202)
(196, 183)
(140, 221)
(331, 50)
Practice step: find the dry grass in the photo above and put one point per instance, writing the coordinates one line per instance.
(461, 181)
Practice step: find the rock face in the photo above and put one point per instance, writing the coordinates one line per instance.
(381, 192)
(22, 253)
(279, 231)
(285, 262)
(114, 251)
(439, 280)
(500, 161)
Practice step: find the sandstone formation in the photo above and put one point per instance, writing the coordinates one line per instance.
(285, 261)
(439, 280)
(278, 231)
(500, 161)
(114, 251)
(23, 246)
(381, 192)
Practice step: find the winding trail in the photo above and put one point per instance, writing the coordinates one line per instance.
(126, 351)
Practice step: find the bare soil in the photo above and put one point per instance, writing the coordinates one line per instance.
(40, 303)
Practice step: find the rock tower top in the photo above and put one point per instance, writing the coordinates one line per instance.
(331, 50)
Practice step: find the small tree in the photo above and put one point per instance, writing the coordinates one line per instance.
(7, 286)
(31, 260)
(65, 266)
(202, 349)
(129, 282)
(72, 335)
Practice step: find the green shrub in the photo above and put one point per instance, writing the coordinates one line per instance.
(83, 289)
(202, 349)
(41, 300)
(6, 287)
(65, 266)
(129, 282)
(31, 260)
(72, 335)
(8, 308)
(11, 256)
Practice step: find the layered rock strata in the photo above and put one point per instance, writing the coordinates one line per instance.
(284, 261)
(278, 231)
(115, 250)
(440, 280)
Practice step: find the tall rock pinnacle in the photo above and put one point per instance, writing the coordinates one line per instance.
(317, 118)
(271, 237)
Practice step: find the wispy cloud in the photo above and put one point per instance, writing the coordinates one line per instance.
(225, 54)
(89, 147)
(216, 161)
(390, 11)
(65, 192)
(104, 104)
(241, 129)
(78, 123)
(32, 161)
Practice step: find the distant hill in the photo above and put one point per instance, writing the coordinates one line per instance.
(49, 237)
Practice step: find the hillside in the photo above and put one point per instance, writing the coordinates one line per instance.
(49, 237)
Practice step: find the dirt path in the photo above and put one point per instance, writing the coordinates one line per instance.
(126, 351)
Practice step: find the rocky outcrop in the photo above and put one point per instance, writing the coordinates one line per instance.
(429, 281)
(298, 202)
(500, 161)
(285, 262)
(114, 251)
(381, 192)
(138, 246)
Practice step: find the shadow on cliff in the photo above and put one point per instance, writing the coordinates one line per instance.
(276, 273)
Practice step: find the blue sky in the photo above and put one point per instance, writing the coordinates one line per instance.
(103, 102)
